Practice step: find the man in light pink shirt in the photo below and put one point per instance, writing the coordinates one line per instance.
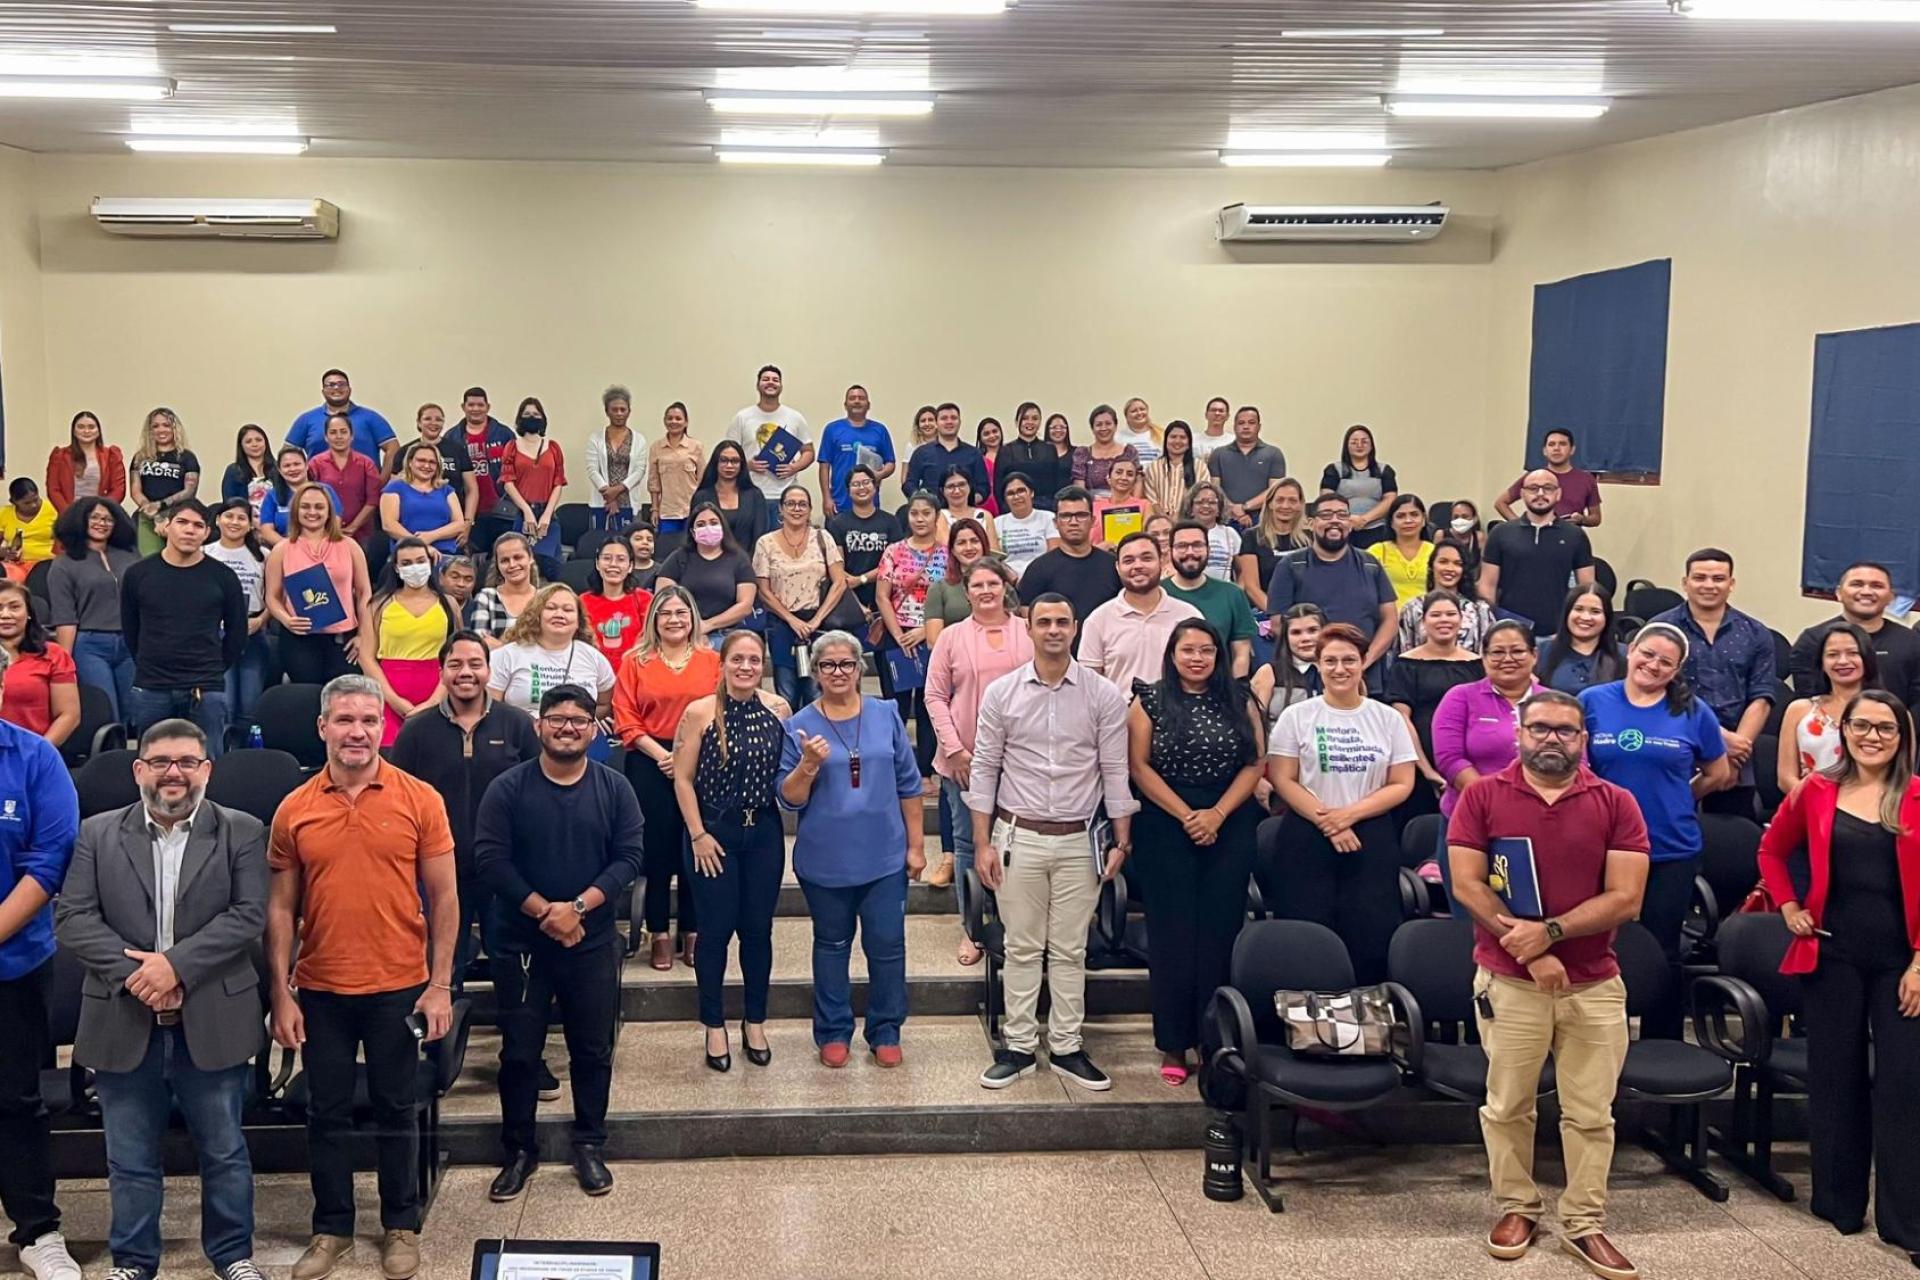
(1126, 638)
(1050, 746)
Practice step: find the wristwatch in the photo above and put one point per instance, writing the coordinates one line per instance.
(1554, 931)
(580, 906)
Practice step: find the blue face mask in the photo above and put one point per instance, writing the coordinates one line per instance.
(532, 426)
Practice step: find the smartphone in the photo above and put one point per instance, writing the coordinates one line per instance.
(417, 1023)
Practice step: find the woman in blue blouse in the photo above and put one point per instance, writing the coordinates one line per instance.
(420, 504)
(1582, 652)
(847, 767)
(1649, 734)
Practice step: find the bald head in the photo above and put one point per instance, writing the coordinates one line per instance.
(1540, 490)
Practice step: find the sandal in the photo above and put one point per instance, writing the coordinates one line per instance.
(1173, 1076)
(970, 953)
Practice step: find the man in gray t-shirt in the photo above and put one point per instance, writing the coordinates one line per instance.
(1247, 469)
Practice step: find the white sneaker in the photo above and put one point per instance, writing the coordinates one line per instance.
(47, 1259)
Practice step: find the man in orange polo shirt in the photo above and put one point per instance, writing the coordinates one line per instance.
(351, 852)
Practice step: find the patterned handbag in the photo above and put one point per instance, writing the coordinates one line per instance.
(1348, 1024)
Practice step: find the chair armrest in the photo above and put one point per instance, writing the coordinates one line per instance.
(1709, 905)
(1232, 1022)
(1110, 912)
(1256, 900)
(113, 737)
(1412, 1060)
(973, 907)
(449, 1052)
(1415, 902)
(636, 913)
(1711, 998)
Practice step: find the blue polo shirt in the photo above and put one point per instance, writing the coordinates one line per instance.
(272, 513)
(39, 818)
(370, 431)
(844, 446)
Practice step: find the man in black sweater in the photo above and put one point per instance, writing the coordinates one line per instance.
(1077, 569)
(558, 839)
(184, 618)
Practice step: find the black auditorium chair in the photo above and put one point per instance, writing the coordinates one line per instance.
(439, 1067)
(105, 782)
(1644, 600)
(289, 720)
(67, 1091)
(1777, 709)
(1119, 936)
(1768, 1060)
(574, 519)
(628, 910)
(581, 575)
(1766, 775)
(1625, 627)
(1782, 654)
(1729, 868)
(587, 546)
(254, 780)
(1605, 578)
(1433, 960)
(1246, 1042)
(97, 731)
(37, 580)
(1680, 1075)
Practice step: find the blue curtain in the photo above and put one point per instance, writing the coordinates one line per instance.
(1600, 366)
(1863, 457)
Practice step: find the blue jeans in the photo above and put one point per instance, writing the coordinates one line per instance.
(673, 526)
(954, 800)
(205, 707)
(134, 1107)
(612, 521)
(104, 663)
(248, 678)
(781, 651)
(548, 546)
(880, 909)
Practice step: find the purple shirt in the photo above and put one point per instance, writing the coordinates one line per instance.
(1474, 727)
(1579, 491)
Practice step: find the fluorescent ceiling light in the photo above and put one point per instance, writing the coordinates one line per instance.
(932, 8)
(1251, 139)
(252, 29)
(749, 102)
(126, 88)
(910, 74)
(221, 146)
(798, 155)
(780, 139)
(187, 127)
(1583, 82)
(1361, 33)
(1803, 10)
(1497, 107)
(1304, 159)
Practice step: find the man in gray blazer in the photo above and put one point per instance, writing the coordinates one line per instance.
(165, 905)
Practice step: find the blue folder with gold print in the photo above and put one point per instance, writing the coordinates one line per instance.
(1511, 873)
(781, 447)
(310, 592)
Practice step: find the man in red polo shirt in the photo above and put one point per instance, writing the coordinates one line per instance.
(1551, 985)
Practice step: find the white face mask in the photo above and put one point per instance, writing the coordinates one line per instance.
(1462, 526)
(415, 575)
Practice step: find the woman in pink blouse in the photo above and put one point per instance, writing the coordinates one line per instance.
(1475, 728)
(969, 656)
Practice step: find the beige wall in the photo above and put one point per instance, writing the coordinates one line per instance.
(1780, 228)
(23, 359)
(983, 286)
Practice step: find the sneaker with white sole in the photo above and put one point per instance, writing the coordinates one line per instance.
(1079, 1068)
(244, 1269)
(47, 1258)
(129, 1273)
(1008, 1066)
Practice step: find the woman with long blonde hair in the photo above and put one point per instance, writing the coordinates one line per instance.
(163, 474)
(315, 539)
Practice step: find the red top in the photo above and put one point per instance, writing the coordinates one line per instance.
(650, 697)
(616, 623)
(1571, 838)
(536, 480)
(26, 699)
(1806, 819)
(60, 471)
(358, 486)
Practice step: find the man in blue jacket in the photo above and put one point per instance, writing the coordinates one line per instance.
(39, 818)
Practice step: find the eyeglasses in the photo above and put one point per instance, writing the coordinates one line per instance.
(579, 724)
(1872, 729)
(1508, 655)
(167, 764)
(797, 504)
(1660, 664)
(1072, 515)
(837, 666)
(1540, 488)
(1567, 733)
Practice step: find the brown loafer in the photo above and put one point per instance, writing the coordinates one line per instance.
(660, 954)
(1601, 1257)
(1511, 1237)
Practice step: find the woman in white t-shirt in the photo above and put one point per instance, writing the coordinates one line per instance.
(550, 644)
(1340, 763)
(238, 548)
(1025, 532)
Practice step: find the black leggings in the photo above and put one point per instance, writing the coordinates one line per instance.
(1357, 895)
(666, 831)
(314, 659)
(739, 902)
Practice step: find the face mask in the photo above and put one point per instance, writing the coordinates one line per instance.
(709, 535)
(1462, 526)
(533, 426)
(415, 575)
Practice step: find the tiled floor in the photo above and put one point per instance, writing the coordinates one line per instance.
(1380, 1215)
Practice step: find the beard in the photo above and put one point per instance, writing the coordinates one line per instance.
(564, 751)
(174, 809)
(1549, 762)
(1190, 568)
(1330, 541)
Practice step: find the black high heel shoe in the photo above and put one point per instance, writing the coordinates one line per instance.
(721, 1062)
(758, 1057)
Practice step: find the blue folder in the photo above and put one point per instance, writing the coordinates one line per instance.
(781, 448)
(908, 673)
(311, 593)
(1511, 873)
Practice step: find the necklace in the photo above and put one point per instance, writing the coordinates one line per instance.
(679, 666)
(794, 551)
(852, 749)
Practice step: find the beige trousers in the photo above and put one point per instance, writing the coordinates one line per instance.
(1585, 1029)
(1046, 904)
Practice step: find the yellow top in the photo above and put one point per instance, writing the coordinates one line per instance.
(1409, 577)
(36, 535)
(404, 637)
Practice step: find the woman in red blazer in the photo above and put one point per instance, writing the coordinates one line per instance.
(1856, 945)
(86, 454)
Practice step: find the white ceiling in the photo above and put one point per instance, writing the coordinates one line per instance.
(1051, 82)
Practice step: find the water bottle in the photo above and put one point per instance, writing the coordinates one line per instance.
(255, 739)
(1222, 1150)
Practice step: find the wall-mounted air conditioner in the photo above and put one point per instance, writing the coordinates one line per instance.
(202, 219)
(1329, 223)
